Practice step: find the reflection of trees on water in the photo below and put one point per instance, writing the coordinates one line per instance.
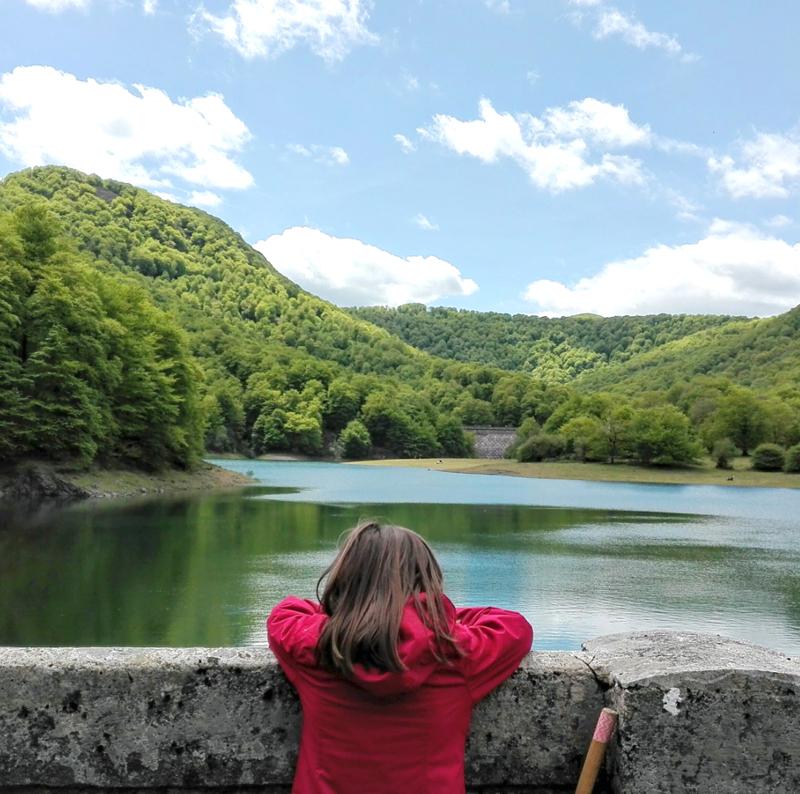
(197, 570)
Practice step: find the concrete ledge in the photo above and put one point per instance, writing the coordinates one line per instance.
(697, 713)
(700, 713)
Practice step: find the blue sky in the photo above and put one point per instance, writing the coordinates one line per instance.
(556, 157)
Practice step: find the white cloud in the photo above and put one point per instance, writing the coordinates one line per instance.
(350, 272)
(734, 269)
(54, 6)
(555, 150)
(685, 208)
(610, 21)
(167, 196)
(779, 221)
(149, 6)
(532, 76)
(267, 28)
(768, 166)
(425, 223)
(204, 198)
(137, 135)
(329, 155)
(406, 144)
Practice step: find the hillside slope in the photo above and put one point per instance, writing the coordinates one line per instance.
(762, 354)
(279, 367)
(555, 349)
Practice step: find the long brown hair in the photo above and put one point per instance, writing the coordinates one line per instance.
(377, 570)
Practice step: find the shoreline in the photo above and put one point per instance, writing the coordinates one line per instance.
(599, 472)
(39, 481)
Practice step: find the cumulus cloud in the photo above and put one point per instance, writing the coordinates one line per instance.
(565, 148)
(425, 223)
(352, 273)
(328, 155)
(137, 135)
(54, 6)
(768, 166)
(406, 144)
(609, 21)
(734, 269)
(779, 221)
(267, 28)
(204, 198)
(149, 6)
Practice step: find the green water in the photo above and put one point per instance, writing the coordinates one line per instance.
(579, 559)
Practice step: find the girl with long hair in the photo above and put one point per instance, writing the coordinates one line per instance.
(387, 669)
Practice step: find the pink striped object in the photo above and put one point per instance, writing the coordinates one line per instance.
(606, 723)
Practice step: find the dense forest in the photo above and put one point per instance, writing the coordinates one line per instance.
(275, 368)
(139, 330)
(556, 350)
(88, 365)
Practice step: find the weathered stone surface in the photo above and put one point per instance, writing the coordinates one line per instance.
(196, 718)
(33, 484)
(534, 730)
(697, 714)
(700, 713)
(491, 442)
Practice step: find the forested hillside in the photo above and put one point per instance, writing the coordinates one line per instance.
(88, 364)
(135, 329)
(556, 350)
(763, 354)
(277, 368)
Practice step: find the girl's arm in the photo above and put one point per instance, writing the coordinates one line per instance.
(293, 628)
(494, 641)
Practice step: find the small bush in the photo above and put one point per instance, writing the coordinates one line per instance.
(792, 459)
(540, 447)
(768, 457)
(355, 440)
(723, 453)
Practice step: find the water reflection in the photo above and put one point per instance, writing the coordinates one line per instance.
(205, 570)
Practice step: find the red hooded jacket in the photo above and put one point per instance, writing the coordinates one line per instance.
(385, 732)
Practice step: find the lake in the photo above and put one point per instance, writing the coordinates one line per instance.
(579, 559)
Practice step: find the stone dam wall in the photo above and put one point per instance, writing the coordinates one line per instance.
(491, 442)
(698, 713)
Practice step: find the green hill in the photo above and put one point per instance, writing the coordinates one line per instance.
(555, 349)
(762, 354)
(276, 367)
(139, 330)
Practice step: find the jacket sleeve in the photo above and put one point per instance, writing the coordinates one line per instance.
(494, 641)
(293, 628)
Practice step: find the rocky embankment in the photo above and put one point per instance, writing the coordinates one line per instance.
(34, 483)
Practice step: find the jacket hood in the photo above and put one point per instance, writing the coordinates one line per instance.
(416, 648)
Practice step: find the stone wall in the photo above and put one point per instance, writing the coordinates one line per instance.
(491, 442)
(697, 714)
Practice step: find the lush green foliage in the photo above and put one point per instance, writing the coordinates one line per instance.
(792, 459)
(355, 440)
(554, 350)
(762, 354)
(769, 457)
(92, 358)
(723, 452)
(277, 368)
(541, 446)
(87, 364)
